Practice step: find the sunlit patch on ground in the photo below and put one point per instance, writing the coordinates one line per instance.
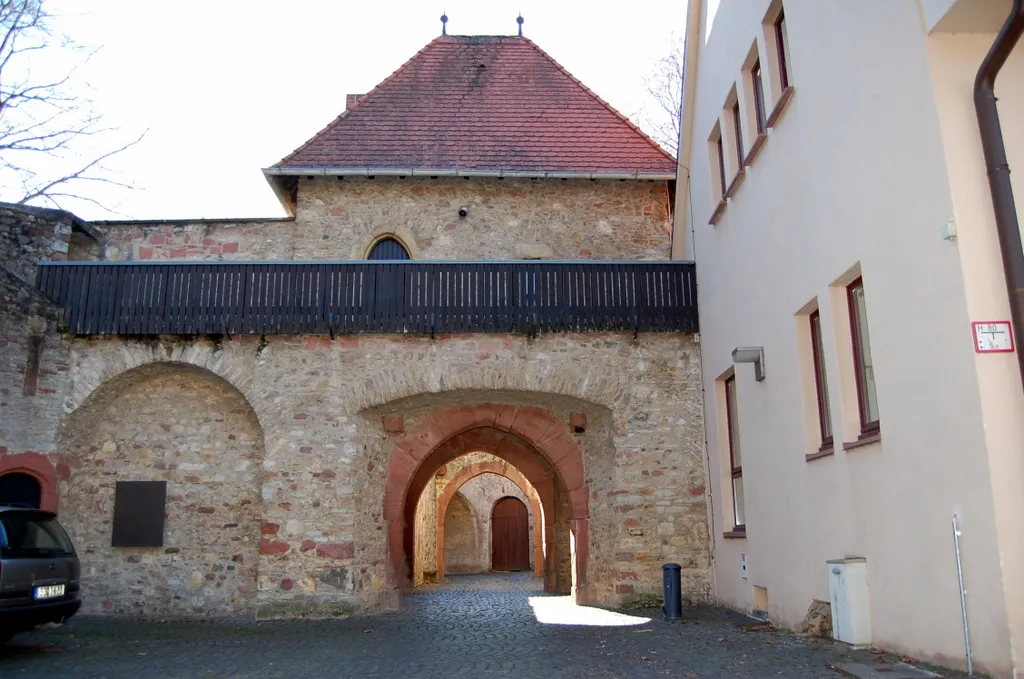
(560, 610)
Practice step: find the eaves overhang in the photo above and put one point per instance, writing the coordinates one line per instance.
(278, 177)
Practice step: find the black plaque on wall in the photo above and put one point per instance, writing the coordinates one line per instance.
(139, 514)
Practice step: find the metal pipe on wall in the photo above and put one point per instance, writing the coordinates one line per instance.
(1007, 225)
(963, 595)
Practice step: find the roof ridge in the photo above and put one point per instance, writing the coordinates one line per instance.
(599, 100)
(358, 102)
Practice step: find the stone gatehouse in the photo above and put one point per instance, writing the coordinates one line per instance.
(524, 324)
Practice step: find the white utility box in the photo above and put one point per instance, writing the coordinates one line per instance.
(848, 593)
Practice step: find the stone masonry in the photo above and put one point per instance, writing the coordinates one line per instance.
(189, 428)
(276, 449)
(508, 219)
(33, 359)
(319, 405)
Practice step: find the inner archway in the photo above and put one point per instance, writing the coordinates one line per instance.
(531, 439)
(481, 465)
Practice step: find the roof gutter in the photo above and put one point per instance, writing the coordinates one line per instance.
(448, 172)
(1007, 225)
(690, 55)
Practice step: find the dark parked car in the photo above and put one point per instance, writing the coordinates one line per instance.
(39, 571)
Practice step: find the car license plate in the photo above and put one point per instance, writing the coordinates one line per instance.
(48, 591)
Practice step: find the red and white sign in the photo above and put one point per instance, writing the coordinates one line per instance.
(992, 337)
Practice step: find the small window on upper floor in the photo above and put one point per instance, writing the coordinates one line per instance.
(720, 149)
(757, 86)
(388, 249)
(779, 66)
(782, 45)
(737, 137)
(732, 124)
(716, 160)
(750, 91)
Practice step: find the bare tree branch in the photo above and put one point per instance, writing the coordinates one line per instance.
(81, 174)
(48, 131)
(665, 86)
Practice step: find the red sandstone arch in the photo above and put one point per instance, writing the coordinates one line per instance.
(38, 467)
(512, 474)
(531, 439)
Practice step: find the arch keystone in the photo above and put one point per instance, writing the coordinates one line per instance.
(535, 425)
(504, 416)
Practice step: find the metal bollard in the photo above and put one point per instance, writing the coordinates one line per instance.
(673, 606)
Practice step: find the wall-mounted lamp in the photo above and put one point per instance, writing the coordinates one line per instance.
(753, 355)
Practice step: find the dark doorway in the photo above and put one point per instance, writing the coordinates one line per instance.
(20, 489)
(388, 249)
(389, 282)
(510, 535)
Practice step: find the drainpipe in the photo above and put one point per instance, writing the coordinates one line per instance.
(998, 168)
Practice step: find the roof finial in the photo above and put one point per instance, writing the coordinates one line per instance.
(444, 24)
(520, 20)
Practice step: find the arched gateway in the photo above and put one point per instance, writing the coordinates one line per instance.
(531, 439)
(504, 469)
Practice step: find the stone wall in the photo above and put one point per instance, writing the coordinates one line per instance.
(33, 360)
(321, 405)
(210, 239)
(463, 537)
(195, 431)
(29, 234)
(507, 219)
(275, 449)
(425, 560)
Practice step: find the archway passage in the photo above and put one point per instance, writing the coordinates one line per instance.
(510, 535)
(533, 440)
(20, 489)
(505, 470)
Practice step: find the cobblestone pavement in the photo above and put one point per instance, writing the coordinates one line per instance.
(471, 626)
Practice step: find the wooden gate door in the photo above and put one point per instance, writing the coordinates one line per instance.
(510, 536)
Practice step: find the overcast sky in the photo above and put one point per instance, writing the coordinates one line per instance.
(227, 87)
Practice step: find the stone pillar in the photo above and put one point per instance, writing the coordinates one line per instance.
(580, 551)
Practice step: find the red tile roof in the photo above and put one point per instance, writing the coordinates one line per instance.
(481, 103)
